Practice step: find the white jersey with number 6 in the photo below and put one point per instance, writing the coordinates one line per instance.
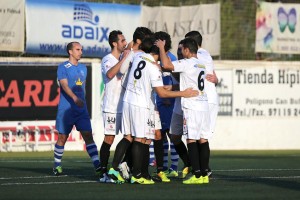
(210, 87)
(192, 74)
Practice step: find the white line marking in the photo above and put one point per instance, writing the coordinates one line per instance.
(49, 183)
(258, 177)
(39, 177)
(25, 161)
(217, 170)
(78, 182)
(40, 161)
(242, 170)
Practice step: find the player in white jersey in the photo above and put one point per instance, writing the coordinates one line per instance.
(195, 110)
(144, 77)
(210, 84)
(158, 141)
(124, 146)
(113, 96)
(176, 127)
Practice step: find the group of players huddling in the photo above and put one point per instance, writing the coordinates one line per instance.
(133, 78)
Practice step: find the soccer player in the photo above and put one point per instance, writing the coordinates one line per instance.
(176, 126)
(72, 108)
(166, 113)
(210, 84)
(124, 146)
(113, 96)
(195, 110)
(144, 77)
(165, 108)
(176, 122)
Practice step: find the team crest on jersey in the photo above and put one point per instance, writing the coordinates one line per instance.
(199, 66)
(79, 82)
(68, 65)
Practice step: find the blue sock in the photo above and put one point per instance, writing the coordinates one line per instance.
(93, 153)
(174, 158)
(166, 155)
(58, 153)
(151, 151)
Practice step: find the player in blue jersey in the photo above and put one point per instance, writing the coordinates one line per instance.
(72, 107)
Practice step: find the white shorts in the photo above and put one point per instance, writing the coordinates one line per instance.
(155, 119)
(213, 112)
(112, 123)
(136, 121)
(176, 127)
(196, 124)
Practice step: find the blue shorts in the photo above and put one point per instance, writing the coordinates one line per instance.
(66, 119)
(165, 113)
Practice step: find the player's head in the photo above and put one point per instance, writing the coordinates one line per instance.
(160, 35)
(114, 36)
(141, 33)
(148, 46)
(196, 36)
(189, 45)
(70, 46)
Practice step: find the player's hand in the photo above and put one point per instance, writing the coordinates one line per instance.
(212, 78)
(78, 101)
(160, 43)
(125, 53)
(190, 92)
(129, 45)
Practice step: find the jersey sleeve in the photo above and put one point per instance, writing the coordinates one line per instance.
(156, 77)
(106, 65)
(61, 72)
(125, 65)
(179, 65)
(209, 66)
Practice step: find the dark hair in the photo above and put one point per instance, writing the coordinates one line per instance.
(191, 44)
(148, 46)
(113, 37)
(141, 33)
(196, 36)
(179, 52)
(70, 46)
(164, 36)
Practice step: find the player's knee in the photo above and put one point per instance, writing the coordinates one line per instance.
(87, 137)
(158, 135)
(175, 139)
(109, 139)
(62, 139)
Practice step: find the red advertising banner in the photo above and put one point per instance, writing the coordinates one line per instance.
(29, 91)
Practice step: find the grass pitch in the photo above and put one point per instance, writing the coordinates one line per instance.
(236, 175)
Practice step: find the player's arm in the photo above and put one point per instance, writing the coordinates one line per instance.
(126, 63)
(64, 85)
(129, 45)
(174, 87)
(212, 78)
(116, 68)
(163, 93)
(165, 60)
